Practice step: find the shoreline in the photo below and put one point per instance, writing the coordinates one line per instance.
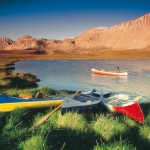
(8, 58)
(101, 54)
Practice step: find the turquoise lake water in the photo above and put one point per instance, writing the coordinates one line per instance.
(76, 74)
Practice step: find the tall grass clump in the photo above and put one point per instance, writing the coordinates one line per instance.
(14, 119)
(16, 92)
(34, 143)
(117, 145)
(144, 132)
(13, 129)
(147, 120)
(129, 122)
(15, 134)
(72, 121)
(45, 128)
(49, 125)
(53, 119)
(108, 126)
(50, 91)
(2, 120)
(46, 91)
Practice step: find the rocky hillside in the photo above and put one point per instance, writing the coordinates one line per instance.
(4, 42)
(134, 34)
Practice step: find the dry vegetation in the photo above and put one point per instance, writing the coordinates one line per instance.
(90, 54)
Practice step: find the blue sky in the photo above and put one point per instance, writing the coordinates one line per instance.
(58, 19)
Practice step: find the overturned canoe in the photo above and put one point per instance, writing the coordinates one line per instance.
(8, 103)
(121, 103)
(82, 102)
(109, 73)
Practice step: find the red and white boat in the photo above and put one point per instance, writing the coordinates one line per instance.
(121, 103)
(109, 73)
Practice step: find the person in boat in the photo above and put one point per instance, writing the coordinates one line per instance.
(117, 69)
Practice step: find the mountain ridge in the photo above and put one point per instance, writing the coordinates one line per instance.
(134, 34)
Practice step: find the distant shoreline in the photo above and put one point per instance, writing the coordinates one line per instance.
(101, 54)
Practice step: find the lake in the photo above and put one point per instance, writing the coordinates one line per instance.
(76, 74)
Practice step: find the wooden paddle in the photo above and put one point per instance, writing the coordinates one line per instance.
(134, 100)
(46, 116)
(137, 98)
(72, 96)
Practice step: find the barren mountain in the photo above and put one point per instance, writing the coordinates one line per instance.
(134, 34)
(27, 42)
(50, 46)
(4, 42)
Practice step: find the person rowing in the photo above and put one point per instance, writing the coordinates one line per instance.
(117, 69)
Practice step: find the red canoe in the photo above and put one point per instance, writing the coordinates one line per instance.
(130, 109)
(102, 72)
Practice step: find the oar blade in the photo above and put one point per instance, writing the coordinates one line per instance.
(131, 110)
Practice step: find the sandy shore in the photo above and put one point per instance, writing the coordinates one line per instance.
(102, 54)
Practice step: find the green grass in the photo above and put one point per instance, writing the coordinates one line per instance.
(108, 126)
(71, 131)
(33, 91)
(14, 119)
(72, 121)
(129, 122)
(147, 120)
(145, 132)
(33, 143)
(43, 129)
(117, 145)
(16, 91)
(15, 135)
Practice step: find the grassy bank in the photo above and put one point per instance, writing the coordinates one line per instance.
(101, 131)
(92, 131)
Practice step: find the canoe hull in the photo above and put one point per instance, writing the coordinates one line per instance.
(101, 72)
(121, 104)
(11, 103)
(82, 102)
(81, 109)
